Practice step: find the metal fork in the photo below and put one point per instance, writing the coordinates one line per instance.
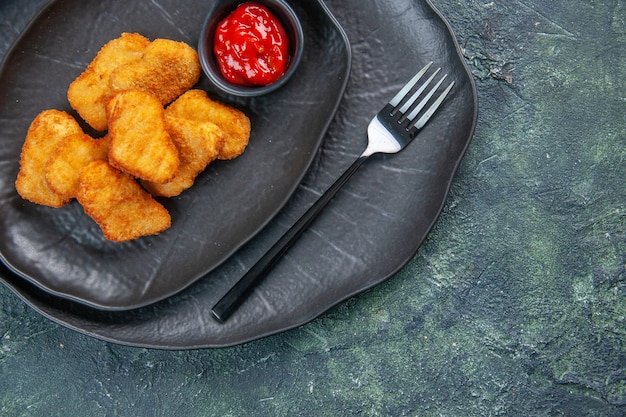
(390, 131)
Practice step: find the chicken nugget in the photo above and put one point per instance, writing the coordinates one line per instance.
(140, 145)
(167, 69)
(44, 135)
(117, 203)
(89, 93)
(198, 144)
(196, 105)
(69, 158)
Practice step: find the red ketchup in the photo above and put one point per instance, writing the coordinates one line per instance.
(251, 46)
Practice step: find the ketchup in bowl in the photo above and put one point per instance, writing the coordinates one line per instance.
(251, 46)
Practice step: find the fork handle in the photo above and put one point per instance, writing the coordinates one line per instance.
(242, 288)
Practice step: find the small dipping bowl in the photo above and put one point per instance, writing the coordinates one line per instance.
(220, 10)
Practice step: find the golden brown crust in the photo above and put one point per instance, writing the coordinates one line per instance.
(46, 132)
(69, 159)
(118, 204)
(89, 93)
(198, 144)
(140, 145)
(124, 89)
(196, 105)
(166, 69)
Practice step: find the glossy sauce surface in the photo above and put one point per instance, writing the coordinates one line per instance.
(251, 46)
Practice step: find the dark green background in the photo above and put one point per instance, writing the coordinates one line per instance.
(515, 304)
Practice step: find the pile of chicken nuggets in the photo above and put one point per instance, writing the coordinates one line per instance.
(160, 134)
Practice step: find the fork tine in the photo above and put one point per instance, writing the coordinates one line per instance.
(432, 109)
(417, 93)
(408, 86)
(427, 97)
(406, 106)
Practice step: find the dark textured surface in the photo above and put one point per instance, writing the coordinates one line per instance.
(514, 305)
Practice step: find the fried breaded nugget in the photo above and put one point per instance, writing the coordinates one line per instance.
(198, 144)
(68, 160)
(117, 203)
(196, 105)
(167, 69)
(89, 93)
(140, 145)
(45, 133)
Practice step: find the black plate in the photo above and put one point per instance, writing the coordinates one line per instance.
(63, 251)
(370, 230)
